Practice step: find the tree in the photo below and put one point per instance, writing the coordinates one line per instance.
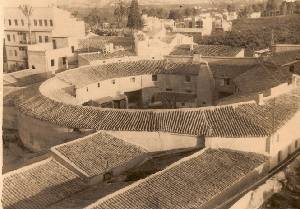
(134, 16)
(175, 14)
(188, 12)
(120, 12)
(283, 8)
(27, 12)
(271, 5)
(231, 8)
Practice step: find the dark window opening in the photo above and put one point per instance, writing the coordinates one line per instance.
(113, 81)
(188, 79)
(72, 48)
(292, 68)
(40, 39)
(87, 89)
(52, 63)
(45, 22)
(16, 53)
(40, 22)
(64, 59)
(169, 89)
(188, 91)
(46, 39)
(227, 81)
(16, 22)
(35, 22)
(9, 22)
(8, 37)
(51, 23)
(154, 77)
(98, 85)
(33, 67)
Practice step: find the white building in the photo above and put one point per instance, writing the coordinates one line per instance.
(46, 24)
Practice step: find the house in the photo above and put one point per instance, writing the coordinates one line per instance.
(45, 25)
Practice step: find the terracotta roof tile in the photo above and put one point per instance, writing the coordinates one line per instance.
(99, 153)
(39, 185)
(189, 183)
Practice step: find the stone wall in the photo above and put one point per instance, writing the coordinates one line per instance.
(39, 135)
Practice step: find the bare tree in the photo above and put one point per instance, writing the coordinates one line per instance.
(27, 11)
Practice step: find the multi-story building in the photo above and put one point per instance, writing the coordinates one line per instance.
(42, 26)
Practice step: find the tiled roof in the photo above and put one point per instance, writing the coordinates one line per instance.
(101, 56)
(189, 183)
(261, 77)
(39, 185)
(92, 74)
(95, 44)
(281, 58)
(221, 121)
(98, 153)
(207, 50)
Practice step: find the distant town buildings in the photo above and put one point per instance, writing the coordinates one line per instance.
(49, 27)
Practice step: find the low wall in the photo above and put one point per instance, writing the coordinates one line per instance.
(38, 135)
(159, 141)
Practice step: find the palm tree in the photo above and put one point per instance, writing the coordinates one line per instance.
(27, 11)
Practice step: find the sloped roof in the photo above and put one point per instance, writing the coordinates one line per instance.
(241, 120)
(101, 56)
(261, 77)
(189, 183)
(281, 58)
(98, 153)
(207, 50)
(94, 44)
(39, 185)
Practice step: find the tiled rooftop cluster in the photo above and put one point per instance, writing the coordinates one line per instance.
(99, 153)
(224, 121)
(189, 183)
(39, 186)
(207, 50)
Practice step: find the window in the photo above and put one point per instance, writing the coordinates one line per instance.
(16, 53)
(52, 63)
(64, 60)
(87, 89)
(16, 22)
(33, 67)
(188, 91)
(22, 22)
(35, 22)
(132, 80)
(292, 68)
(296, 144)
(154, 77)
(51, 23)
(8, 37)
(45, 22)
(227, 81)
(72, 48)
(9, 22)
(46, 39)
(40, 22)
(40, 39)
(183, 104)
(113, 81)
(169, 89)
(188, 78)
(98, 85)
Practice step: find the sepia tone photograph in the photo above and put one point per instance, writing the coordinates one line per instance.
(150, 104)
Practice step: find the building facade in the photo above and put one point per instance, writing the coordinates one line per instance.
(42, 26)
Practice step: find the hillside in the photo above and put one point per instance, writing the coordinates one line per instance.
(255, 34)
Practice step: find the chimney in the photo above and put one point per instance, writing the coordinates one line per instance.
(260, 99)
